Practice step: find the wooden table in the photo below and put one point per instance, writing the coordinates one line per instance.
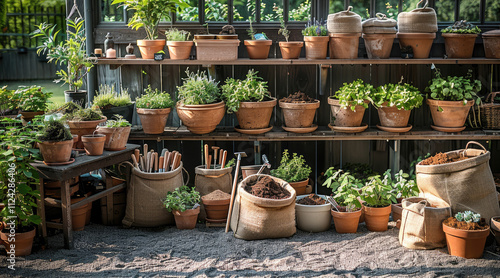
(82, 165)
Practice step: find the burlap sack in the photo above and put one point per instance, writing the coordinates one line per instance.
(422, 20)
(260, 218)
(464, 185)
(421, 224)
(379, 25)
(209, 180)
(344, 22)
(144, 197)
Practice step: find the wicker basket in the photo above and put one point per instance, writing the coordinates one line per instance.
(490, 112)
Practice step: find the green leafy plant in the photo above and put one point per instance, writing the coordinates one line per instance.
(354, 93)
(230, 163)
(154, 99)
(31, 99)
(251, 89)
(87, 114)
(345, 187)
(118, 121)
(177, 35)
(402, 183)
(107, 97)
(198, 88)
(468, 216)
(454, 88)
(315, 29)
(401, 95)
(462, 27)
(360, 171)
(378, 192)
(292, 169)
(54, 131)
(181, 199)
(283, 28)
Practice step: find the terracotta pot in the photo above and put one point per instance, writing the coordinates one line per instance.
(179, 50)
(300, 186)
(227, 37)
(94, 144)
(29, 116)
(148, 48)
(379, 46)
(299, 114)
(217, 50)
(362, 217)
(23, 241)
(258, 49)
(56, 152)
(454, 113)
(491, 43)
(116, 137)
(344, 45)
(376, 219)
(346, 117)
(495, 228)
(316, 46)
(459, 45)
(81, 128)
(255, 115)
(397, 211)
(313, 218)
(393, 117)
(201, 119)
(204, 37)
(186, 220)
(216, 209)
(421, 43)
(79, 215)
(153, 120)
(346, 222)
(252, 170)
(75, 140)
(290, 50)
(464, 243)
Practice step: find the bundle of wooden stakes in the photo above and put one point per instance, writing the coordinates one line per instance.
(152, 162)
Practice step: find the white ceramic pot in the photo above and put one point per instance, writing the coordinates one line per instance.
(313, 219)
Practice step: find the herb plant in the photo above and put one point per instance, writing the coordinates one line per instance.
(118, 122)
(462, 27)
(401, 95)
(378, 192)
(107, 97)
(182, 199)
(198, 88)
(54, 131)
(251, 89)
(354, 93)
(315, 29)
(454, 88)
(345, 187)
(283, 28)
(154, 99)
(292, 169)
(468, 216)
(31, 99)
(177, 35)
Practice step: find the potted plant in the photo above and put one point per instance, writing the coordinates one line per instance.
(184, 204)
(377, 195)
(349, 103)
(199, 104)
(251, 102)
(179, 45)
(71, 52)
(466, 234)
(316, 39)
(345, 29)
(110, 102)
(405, 187)
(298, 112)
(259, 45)
(459, 39)
(224, 48)
(293, 170)
(495, 228)
(56, 142)
(153, 108)
(31, 101)
(289, 50)
(116, 131)
(394, 103)
(313, 213)
(450, 100)
(147, 15)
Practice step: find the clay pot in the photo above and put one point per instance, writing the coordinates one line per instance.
(378, 46)
(81, 128)
(179, 50)
(75, 140)
(201, 119)
(491, 43)
(313, 218)
(346, 117)
(299, 114)
(23, 243)
(56, 152)
(316, 46)
(300, 186)
(186, 220)
(227, 37)
(464, 243)
(344, 45)
(376, 219)
(258, 49)
(290, 50)
(397, 211)
(79, 215)
(391, 116)
(459, 45)
(153, 120)
(204, 37)
(255, 115)
(217, 50)
(94, 144)
(252, 170)
(421, 43)
(29, 116)
(346, 222)
(216, 209)
(454, 113)
(116, 137)
(148, 48)
(495, 228)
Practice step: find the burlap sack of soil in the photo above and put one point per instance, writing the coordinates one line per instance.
(260, 218)
(209, 180)
(144, 197)
(418, 21)
(344, 22)
(465, 185)
(421, 223)
(379, 25)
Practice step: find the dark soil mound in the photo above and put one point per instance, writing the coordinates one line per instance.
(298, 97)
(462, 225)
(441, 158)
(266, 187)
(312, 200)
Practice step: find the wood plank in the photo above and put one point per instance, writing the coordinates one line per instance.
(57, 203)
(66, 215)
(42, 227)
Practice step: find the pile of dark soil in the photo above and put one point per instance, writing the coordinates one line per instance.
(298, 97)
(266, 187)
(312, 200)
(217, 195)
(441, 158)
(462, 225)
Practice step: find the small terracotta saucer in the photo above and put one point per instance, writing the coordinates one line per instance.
(395, 129)
(71, 160)
(448, 129)
(349, 129)
(301, 129)
(252, 131)
(216, 220)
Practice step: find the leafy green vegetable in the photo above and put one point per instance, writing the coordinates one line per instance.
(198, 88)
(345, 187)
(353, 94)
(154, 99)
(378, 192)
(454, 88)
(292, 169)
(250, 89)
(401, 95)
(181, 199)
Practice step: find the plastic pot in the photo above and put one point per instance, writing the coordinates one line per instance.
(313, 218)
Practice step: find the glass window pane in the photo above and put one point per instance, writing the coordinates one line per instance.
(469, 10)
(409, 5)
(445, 10)
(300, 10)
(492, 10)
(336, 6)
(270, 10)
(189, 14)
(361, 7)
(387, 7)
(216, 10)
(243, 9)
(111, 13)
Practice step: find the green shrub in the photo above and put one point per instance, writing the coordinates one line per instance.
(251, 89)
(454, 88)
(31, 99)
(345, 188)
(198, 88)
(107, 97)
(292, 169)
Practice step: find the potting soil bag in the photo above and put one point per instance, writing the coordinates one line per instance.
(421, 223)
(260, 218)
(379, 25)
(144, 197)
(209, 180)
(465, 185)
(344, 22)
(422, 20)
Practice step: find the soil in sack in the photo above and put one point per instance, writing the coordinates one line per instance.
(441, 158)
(462, 225)
(298, 97)
(312, 200)
(217, 195)
(266, 187)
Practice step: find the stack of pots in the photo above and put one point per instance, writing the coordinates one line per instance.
(417, 30)
(379, 34)
(345, 29)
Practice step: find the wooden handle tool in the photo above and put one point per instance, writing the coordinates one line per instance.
(165, 161)
(155, 157)
(216, 152)
(169, 160)
(137, 153)
(161, 164)
(145, 148)
(209, 161)
(151, 162)
(224, 157)
(177, 161)
(143, 165)
(174, 160)
(221, 152)
(205, 151)
(147, 158)
(134, 160)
